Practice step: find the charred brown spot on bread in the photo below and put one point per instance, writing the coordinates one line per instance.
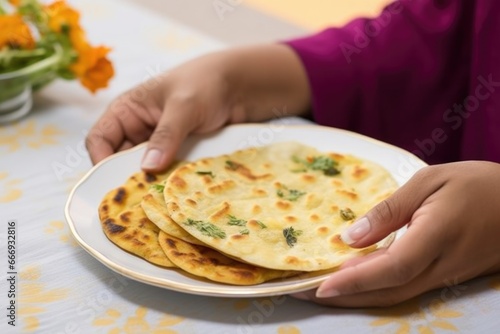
(308, 178)
(256, 209)
(190, 202)
(252, 223)
(314, 217)
(138, 242)
(207, 179)
(140, 185)
(150, 178)
(349, 194)
(292, 260)
(336, 156)
(171, 243)
(173, 206)
(244, 171)
(334, 208)
(359, 172)
(336, 241)
(243, 274)
(337, 183)
(113, 228)
(290, 219)
(125, 217)
(259, 192)
(144, 221)
(238, 236)
(120, 195)
(198, 195)
(222, 213)
(283, 205)
(178, 182)
(221, 187)
(266, 165)
(322, 230)
(105, 208)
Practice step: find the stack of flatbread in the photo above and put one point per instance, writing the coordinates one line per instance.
(248, 217)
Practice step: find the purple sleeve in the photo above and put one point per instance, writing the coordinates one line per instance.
(388, 77)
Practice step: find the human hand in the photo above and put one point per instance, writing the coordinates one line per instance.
(453, 219)
(200, 96)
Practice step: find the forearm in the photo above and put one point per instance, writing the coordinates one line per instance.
(268, 81)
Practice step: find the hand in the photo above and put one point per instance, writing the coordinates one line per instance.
(203, 95)
(453, 218)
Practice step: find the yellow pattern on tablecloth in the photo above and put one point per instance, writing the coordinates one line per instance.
(34, 296)
(9, 188)
(138, 323)
(410, 314)
(58, 228)
(28, 134)
(288, 329)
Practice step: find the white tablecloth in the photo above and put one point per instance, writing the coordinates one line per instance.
(62, 289)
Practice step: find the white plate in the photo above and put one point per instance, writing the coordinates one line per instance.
(81, 207)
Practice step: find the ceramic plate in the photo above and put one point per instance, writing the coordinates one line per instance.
(82, 204)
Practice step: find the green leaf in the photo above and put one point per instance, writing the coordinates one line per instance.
(158, 187)
(347, 214)
(206, 228)
(209, 173)
(289, 194)
(235, 221)
(322, 163)
(291, 235)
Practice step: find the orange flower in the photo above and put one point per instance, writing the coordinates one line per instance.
(93, 68)
(61, 16)
(15, 2)
(15, 33)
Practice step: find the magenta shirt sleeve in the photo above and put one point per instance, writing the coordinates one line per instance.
(392, 77)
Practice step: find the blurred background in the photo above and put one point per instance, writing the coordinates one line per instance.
(246, 21)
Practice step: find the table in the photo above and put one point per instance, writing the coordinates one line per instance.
(62, 289)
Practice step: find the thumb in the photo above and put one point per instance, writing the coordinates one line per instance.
(174, 125)
(392, 213)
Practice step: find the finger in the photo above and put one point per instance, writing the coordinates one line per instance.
(377, 298)
(175, 124)
(125, 146)
(99, 143)
(122, 121)
(396, 266)
(394, 212)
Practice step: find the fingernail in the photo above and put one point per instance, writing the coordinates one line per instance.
(357, 231)
(151, 159)
(327, 293)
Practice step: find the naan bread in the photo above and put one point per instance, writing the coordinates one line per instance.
(155, 208)
(206, 262)
(132, 231)
(125, 223)
(281, 206)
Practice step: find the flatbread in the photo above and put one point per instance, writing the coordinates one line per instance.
(128, 194)
(124, 222)
(281, 206)
(155, 208)
(132, 231)
(206, 262)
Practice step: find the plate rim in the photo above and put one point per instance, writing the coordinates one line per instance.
(235, 291)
